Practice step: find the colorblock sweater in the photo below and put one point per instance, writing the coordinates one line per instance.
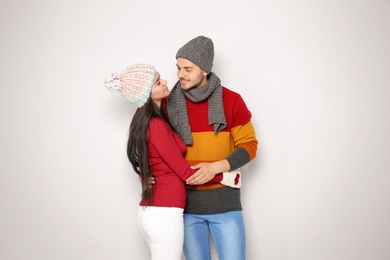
(237, 143)
(166, 150)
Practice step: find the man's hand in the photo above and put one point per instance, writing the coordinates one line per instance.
(151, 181)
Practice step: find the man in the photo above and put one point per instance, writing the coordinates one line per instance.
(215, 124)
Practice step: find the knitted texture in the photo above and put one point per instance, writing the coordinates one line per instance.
(165, 151)
(207, 146)
(199, 51)
(134, 84)
(177, 108)
(232, 179)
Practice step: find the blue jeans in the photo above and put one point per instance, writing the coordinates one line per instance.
(228, 234)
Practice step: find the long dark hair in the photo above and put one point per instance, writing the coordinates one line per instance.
(137, 144)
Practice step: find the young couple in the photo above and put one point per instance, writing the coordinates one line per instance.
(210, 126)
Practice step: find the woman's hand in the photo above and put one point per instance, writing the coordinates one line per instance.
(207, 171)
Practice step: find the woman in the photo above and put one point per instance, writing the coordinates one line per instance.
(156, 150)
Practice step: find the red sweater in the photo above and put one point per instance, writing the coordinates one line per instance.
(166, 150)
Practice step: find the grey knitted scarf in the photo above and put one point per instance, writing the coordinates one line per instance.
(177, 108)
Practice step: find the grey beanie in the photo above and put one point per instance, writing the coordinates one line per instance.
(199, 51)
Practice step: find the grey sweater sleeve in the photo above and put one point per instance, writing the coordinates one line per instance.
(238, 158)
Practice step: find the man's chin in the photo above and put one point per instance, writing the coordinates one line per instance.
(185, 86)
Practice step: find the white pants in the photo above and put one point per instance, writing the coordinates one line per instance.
(163, 230)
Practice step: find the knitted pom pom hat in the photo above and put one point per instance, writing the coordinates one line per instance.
(199, 51)
(134, 84)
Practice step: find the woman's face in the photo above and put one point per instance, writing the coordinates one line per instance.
(159, 89)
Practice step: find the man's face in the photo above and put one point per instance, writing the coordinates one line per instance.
(190, 75)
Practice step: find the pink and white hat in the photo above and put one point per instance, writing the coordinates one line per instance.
(134, 84)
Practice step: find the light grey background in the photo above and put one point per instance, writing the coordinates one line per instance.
(315, 75)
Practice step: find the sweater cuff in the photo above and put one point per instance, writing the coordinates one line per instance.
(238, 158)
(232, 179)
(217, 178)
